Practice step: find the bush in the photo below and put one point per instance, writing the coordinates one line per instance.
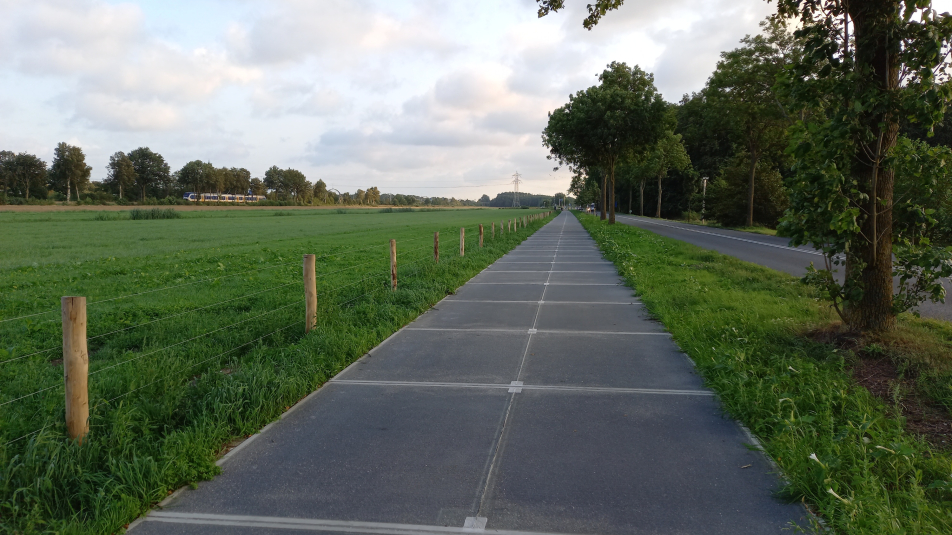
(154, 213)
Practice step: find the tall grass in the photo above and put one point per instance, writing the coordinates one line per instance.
(154, 213)
(161, 410)
(842, 450)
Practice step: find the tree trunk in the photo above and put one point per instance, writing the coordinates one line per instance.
(658, 212)
(27, 189)
(641, 211)
(754, 157)
(871, 255)
(611, 198)
(120, 189)
(604, 195)
(69, 189)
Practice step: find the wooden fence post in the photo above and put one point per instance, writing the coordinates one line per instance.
(310, 293)
(480, 235)
(393, 265)
(462, 241)
(493, 231)
(75, 367)
(436, 247)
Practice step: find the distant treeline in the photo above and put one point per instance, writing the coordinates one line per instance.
(505, 200)
(143, 176)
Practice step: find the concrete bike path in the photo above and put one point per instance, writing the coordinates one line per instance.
(540, 398)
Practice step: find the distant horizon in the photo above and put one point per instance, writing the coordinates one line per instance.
(347, 93)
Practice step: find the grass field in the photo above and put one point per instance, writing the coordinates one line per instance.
(195, 338)
(842, 450)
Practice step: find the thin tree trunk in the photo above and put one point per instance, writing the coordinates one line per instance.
(604, 195)
(658, 213)
(641, 211)
(873, 249)
(69, 189)
(754, 157)
(611, 208)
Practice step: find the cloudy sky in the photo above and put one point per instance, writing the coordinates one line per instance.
(418, 96)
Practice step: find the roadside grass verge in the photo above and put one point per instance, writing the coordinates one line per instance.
(161, 413)
(842, 450)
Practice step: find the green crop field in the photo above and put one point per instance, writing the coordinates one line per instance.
(195, 337)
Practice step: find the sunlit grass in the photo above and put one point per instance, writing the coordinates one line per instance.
(208, 346)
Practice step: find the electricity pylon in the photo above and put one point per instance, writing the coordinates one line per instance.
(515, 195)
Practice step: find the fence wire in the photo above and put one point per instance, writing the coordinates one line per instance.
(414, 262)
(100, 370)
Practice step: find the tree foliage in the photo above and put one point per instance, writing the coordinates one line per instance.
(121, 174)
(69, 170)
(742, 90)
(603, 124)
(152, 173)
(27, 175)
(852, 91)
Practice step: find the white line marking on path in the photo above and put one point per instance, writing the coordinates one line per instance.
(519, 386)
(308, 524)
(549, 271)
(545, 302)
(552, 283)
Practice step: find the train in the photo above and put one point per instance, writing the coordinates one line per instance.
(221, 197)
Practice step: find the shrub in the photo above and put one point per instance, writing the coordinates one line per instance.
(154, 213)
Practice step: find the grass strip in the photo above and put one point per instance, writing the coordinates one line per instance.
(161, 418)
(842, 450)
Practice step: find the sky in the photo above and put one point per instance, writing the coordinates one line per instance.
(427, 97)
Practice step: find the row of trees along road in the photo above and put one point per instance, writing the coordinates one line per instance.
(805, 123)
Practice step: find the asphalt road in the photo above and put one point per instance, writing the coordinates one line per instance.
(539, 399)
(768, 251)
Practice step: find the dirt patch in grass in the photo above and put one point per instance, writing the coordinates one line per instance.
(883, 366)
(923, 416)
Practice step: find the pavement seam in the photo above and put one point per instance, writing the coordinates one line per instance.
(307, 524)
(552, 388)
(500, 439)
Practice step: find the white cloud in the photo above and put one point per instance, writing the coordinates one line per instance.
(115, 75)
(400, 92)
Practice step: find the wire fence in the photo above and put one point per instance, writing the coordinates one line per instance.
(413, 262)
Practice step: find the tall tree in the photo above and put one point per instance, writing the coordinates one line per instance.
(320, 191)
(121, 174)
(296, 184)
(257, 186)
(6, 177)
(274, 181)
(851, 92)
(742, 87)
(152, 173)
(27, 174)
(195, 176)
(856, 89)
(666, 155)
(239, 180)
(373, 195)
(69, 169)
(604, 123)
